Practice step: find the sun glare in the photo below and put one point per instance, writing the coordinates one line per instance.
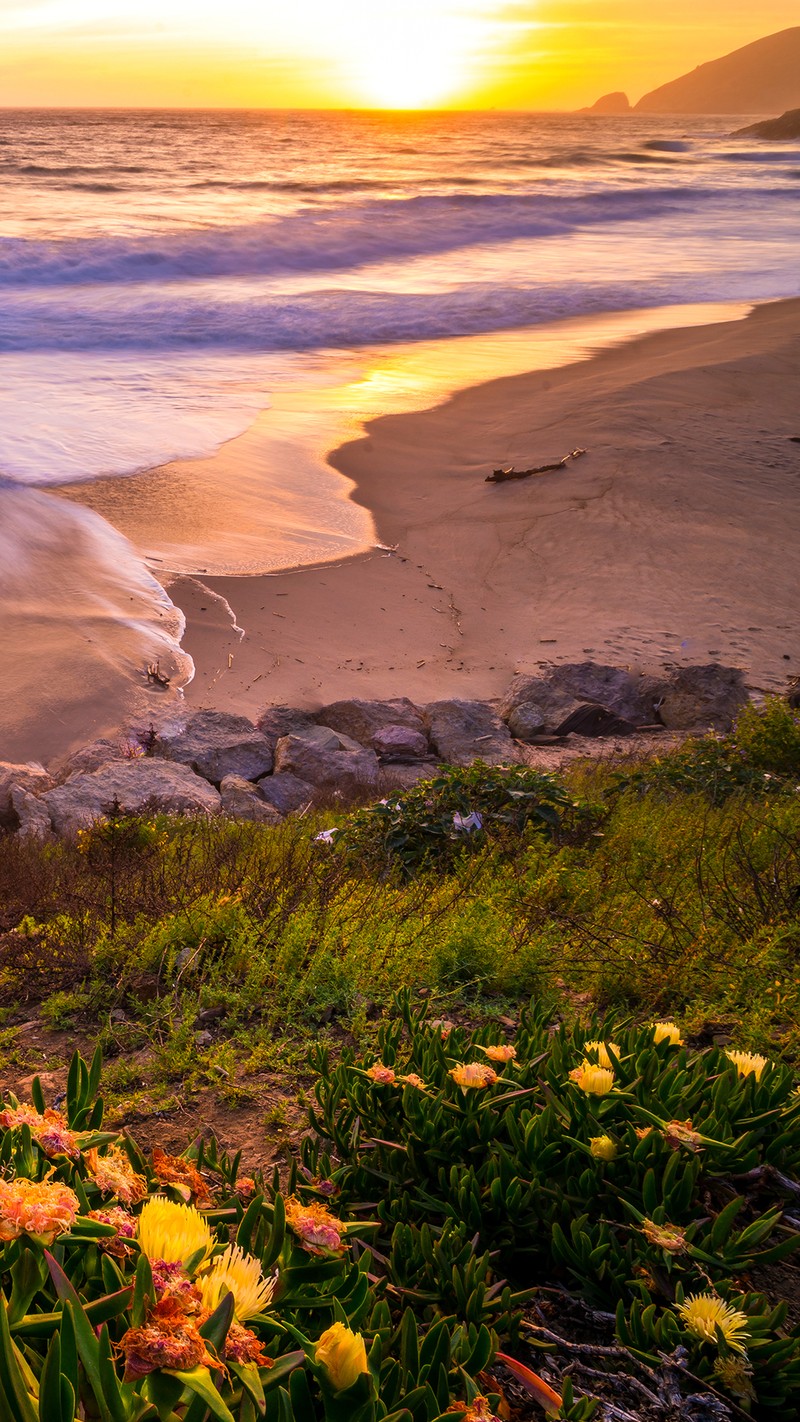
(415, 57)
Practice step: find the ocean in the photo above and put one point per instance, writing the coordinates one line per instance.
(166, 277)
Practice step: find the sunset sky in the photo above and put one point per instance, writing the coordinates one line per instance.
(518, 54)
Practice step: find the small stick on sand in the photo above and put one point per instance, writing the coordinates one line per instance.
(499, 476)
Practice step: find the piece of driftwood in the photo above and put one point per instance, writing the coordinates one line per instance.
(154, 673)
(500, 476)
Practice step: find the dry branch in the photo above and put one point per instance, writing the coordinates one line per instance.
(500, 476)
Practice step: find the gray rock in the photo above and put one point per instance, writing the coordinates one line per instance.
(399, 743)
(243, 801)
(279, 721)
(216, 744)
(397, 778)
(91, 757)
(464, 731)
(594, 721)
(543, 701)
(526, 720)
(629, 695)
(707, 696)
(31, 813)
(137, 784)
(286, 792)
(31, 777)
(362, 720)
(329, 761)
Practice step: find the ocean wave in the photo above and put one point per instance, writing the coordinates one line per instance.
(334, 237)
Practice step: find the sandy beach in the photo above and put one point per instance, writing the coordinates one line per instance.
(673, 540)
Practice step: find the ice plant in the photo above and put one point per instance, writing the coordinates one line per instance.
(113, 1174)
(500, 1053)
(748, 1063)
(411, 1079)
(444, 1025)
(594, 1080)
(317, 1229)
(239, 1274)
(50, 1131)
(600, 1051)
(667, 1032)
(603, 1148)
(43, 1209)
(122, 1222)
(168, 1340)
(667, 1236)
(173, 1233)
(242, 1346)
(343, 1355)
(478, 1411)
(680, 1133)
(468, 1075)
(181, 1175)
(703, 1314)
(382, 1075)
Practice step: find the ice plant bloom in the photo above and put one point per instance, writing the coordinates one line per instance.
(411, 1079)
(42, 1208)
(667, 1032)
(241, 1346)
(50, 1131)
(600, 1051)
(181, 1175)
(680, 1133)
(479, 1411)
(747, 1063)
(603, 1148)
(173, 1286)
(666, 1236)
(343, 1355)
(500, 1053)
(173, 1233)
(382, 1075)
(113, 1174)
(122, 1222)
(239, 1274)
(168, 1340)
(471, 1074)
(317, 1229)
(703, 1314)
(594, 1080)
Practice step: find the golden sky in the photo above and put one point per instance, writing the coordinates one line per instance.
(518, 54)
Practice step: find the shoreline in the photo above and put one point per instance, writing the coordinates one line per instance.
(690, 475)
(672, 541)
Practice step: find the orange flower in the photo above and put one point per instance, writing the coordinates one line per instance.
(317, 1229)
(50, 1131)
(122, 1222)
(245, 1187)
(411, 1079)
(500, 1053)
(468, 1075)
(181, 1175)
(479, 1411)
(668, 1236)
(382, 1075)
(168, 1340)
(242, 1346)
(43, 1209)
(444, 1025)
(680, 1133)
(113, 1174)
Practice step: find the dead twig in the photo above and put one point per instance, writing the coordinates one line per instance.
(501, 476)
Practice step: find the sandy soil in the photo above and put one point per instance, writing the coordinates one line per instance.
(672, 541)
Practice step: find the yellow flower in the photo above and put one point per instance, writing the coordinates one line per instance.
(603, 1148)
(500, 1053)
(471, 1074)
(735, 1374)
(596, 1080)
(239, 1274)
(747, 1062)
(173, 1232)
(703, 1314)
(600, 1050)
(669, 1237)
(667, 1032)
(42, 1208)
(114, 1175)
(343, 1354)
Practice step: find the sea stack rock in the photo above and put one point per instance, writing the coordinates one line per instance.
(616, 103)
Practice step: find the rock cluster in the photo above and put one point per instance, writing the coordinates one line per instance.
(211, 762)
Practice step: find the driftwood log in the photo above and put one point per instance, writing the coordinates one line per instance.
(500, 476)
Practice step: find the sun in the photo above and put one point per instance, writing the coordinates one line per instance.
(417, 56)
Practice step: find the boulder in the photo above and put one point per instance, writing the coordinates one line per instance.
(328, 760)
(708, 696)
(243, 801)
(91, 757)
(32, 816)
(396, 777)
(215, 744)
(464, 731)
(594, 721)
(527, 720)
(629, 695)
(32, 777)
(288, 793)
(776, 129)
(279, 721)
(399, 743)
(545, 705)
(362, 720)
(137, 785)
